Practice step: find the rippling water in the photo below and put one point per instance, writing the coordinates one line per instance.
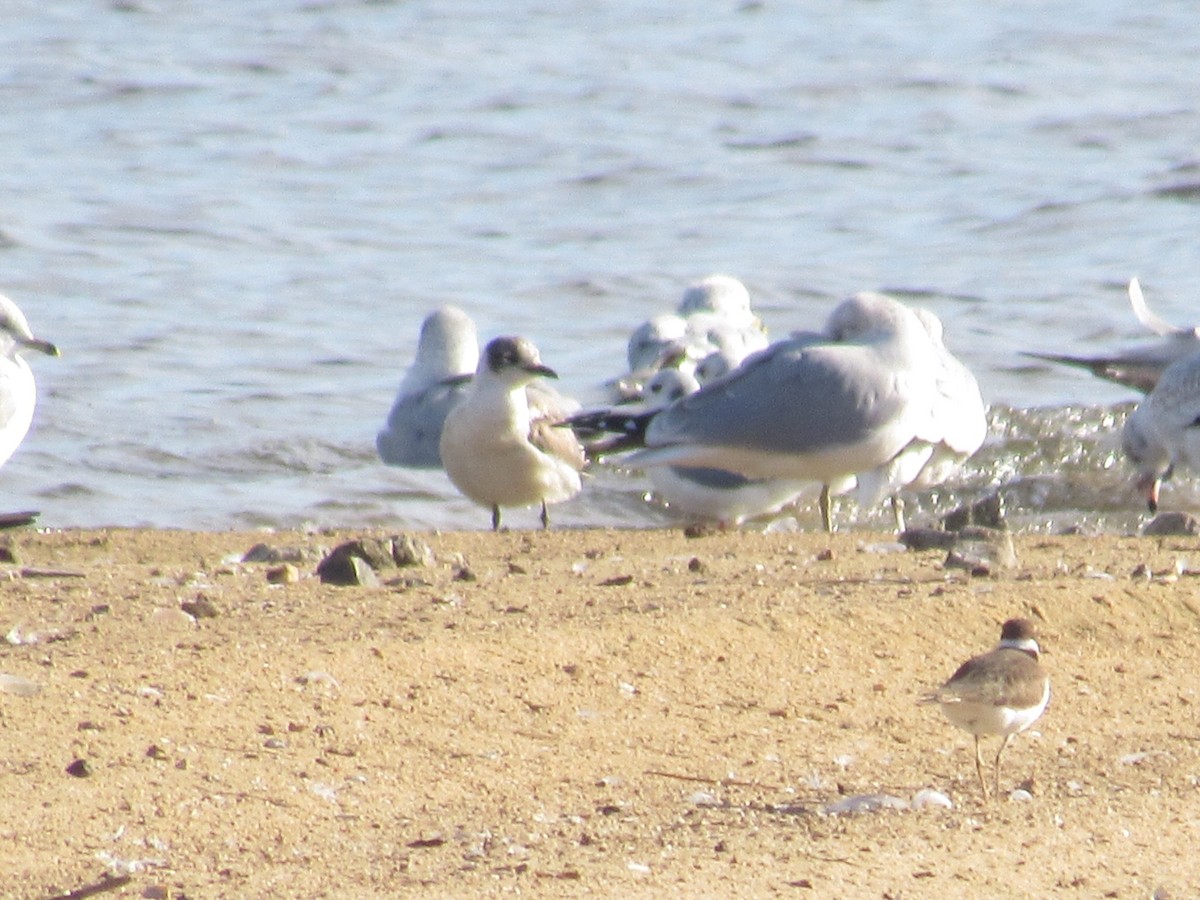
(233, 215)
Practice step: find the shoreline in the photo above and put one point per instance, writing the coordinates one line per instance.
(584, 711)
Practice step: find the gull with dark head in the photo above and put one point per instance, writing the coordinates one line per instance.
(999, 693)
(494, 450)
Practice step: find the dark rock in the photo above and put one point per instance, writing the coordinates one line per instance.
(988, 512)
(200, 608)
(346, 566)
(982, 549)
(928, 539)
(79, 769)
(1168, 524)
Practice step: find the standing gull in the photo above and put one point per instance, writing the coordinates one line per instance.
(1002, 692)
(18, 393)
(447, 352)
(492, 450)
(863, 399)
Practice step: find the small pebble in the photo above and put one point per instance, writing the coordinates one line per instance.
(18, 686)
(283, 574)
(79, 769)
(928, 798)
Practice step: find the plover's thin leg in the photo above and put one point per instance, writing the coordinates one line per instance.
(979, 768)
(495, 517)
(1003, 744)
(545, 515)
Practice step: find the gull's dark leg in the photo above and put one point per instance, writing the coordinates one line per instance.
(545, 516)
(826, 504)
(495, 517)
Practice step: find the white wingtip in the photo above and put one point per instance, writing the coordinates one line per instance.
(1144, 315)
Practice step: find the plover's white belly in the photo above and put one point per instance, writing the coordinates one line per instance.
(988, 718)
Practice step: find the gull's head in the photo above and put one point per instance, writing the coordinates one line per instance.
(648, 340)
(513, 361)
(869, 314)
(722, 295)
(448, 344)
(668, 385)
(716, 364)
(15, 335)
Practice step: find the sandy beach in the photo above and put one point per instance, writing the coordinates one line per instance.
(611, 713)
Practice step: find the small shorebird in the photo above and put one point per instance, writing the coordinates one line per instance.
(1002, 692)
(492, 450)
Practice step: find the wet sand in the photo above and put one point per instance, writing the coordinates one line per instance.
(611, 713)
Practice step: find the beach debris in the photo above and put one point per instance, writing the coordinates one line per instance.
(408, 550)
(265, 553)
(18, 686)
(928, 798)
(18, 519)
(987, 513)
(8, 552)
(1172, 524)
(176, 618)
(356, 562)
(343, 566)
(285, 573)
(918, 539)
(982, 550)
(200, 608)
(864, 803)
(318, 678)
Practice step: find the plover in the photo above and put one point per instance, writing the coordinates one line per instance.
(494, 451)
(18, 393)
(1002, 692)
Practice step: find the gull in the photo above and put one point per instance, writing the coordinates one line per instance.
(437, 380)
(867, 398)
(707, 494)
(493, 449)
(1138, 367)
(1162, 433)
(714, 314)
(1002, 692)
(18, 393)
(959, 429)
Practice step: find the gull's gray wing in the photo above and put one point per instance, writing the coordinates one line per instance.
(414, 425)
(796, 397)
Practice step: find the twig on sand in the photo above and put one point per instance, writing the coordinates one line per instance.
(107, 883)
